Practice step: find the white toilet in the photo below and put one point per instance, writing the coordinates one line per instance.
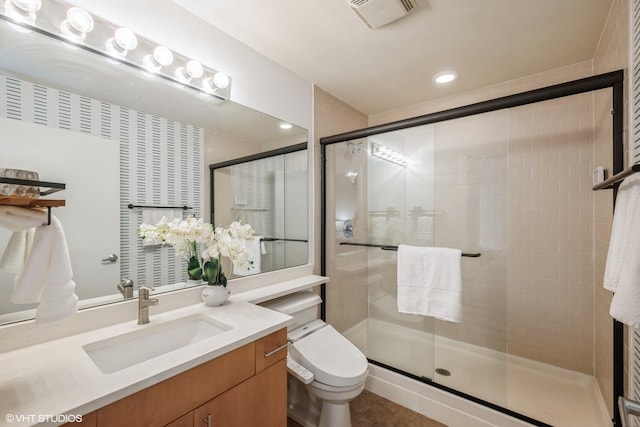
(333, 367)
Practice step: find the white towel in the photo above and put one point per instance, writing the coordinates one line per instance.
(430, 282)
(17, 251)
(22, 222)
(255, 246)
(47, 276)
(622, 269)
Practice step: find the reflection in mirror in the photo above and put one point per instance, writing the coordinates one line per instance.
(269, 192)
(115, 137)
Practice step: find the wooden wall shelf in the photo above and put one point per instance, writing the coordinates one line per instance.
(26, 202)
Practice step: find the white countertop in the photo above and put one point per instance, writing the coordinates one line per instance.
(58, 377)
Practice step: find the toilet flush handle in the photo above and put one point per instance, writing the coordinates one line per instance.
(278, 348)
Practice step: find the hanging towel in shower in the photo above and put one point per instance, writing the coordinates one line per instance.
(622, 269)
(430, 282)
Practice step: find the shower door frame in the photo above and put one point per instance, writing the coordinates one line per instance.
(613, 80)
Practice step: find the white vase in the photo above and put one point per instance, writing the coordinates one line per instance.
(214, 296)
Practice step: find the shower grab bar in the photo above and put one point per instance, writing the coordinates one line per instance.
(395, 248)
(615, 179)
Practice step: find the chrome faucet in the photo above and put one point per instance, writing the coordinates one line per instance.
(144, 302)
(126, 288)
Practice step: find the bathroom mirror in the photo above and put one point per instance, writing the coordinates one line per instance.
(116, 137)
(268, 191)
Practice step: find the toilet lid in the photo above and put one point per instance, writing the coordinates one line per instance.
(332, 358)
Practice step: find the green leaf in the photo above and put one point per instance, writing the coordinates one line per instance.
(193, 269)
(210, 273)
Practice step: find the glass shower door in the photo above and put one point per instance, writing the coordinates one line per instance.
(400, 210)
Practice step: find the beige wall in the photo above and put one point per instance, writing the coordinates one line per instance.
(346, 293)
(610, 55)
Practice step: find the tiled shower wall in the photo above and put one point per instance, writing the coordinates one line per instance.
(550, 282)
(551, 214)
(160, 164)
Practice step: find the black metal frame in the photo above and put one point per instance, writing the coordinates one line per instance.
(239, 160)
(613, 80)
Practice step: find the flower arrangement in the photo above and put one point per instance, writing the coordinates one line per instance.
(203, 246)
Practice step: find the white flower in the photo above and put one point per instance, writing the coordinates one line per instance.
(192, 237)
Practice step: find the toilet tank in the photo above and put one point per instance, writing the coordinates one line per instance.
(302, 306)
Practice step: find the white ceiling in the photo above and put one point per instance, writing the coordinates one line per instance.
(485, 41)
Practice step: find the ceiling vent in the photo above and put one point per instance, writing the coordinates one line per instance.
(376, 13)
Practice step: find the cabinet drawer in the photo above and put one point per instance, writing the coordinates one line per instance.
(271, 349)
(259, 401)
(172, 398)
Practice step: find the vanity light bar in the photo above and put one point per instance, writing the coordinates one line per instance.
(74, 26)
(386, 153)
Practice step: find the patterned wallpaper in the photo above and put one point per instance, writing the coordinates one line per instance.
(160, 164)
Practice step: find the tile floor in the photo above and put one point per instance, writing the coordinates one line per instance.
(371, 410)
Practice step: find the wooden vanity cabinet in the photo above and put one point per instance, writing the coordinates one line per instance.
(240, 388)
(259, 401)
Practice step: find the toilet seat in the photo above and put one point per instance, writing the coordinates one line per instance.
(332, 359)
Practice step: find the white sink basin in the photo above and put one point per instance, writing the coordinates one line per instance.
(122, 351)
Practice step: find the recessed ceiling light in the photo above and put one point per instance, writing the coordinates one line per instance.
(445, 77)
(285, 126)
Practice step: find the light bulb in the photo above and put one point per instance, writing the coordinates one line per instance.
(123, 41)
(77, 24)
(221, 80)
(27, 6)
(445, 77)
(192, 70)
(22, 11)
(218, 81)
(162, 56)
(285, 126)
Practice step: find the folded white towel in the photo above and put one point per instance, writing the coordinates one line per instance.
(47, 276)
(255, 246)
(15, 218)
(430, 282)
(622, 269)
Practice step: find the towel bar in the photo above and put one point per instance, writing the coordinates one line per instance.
(617, 178)
(395, 248)
(627, 407)
(132, 206)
